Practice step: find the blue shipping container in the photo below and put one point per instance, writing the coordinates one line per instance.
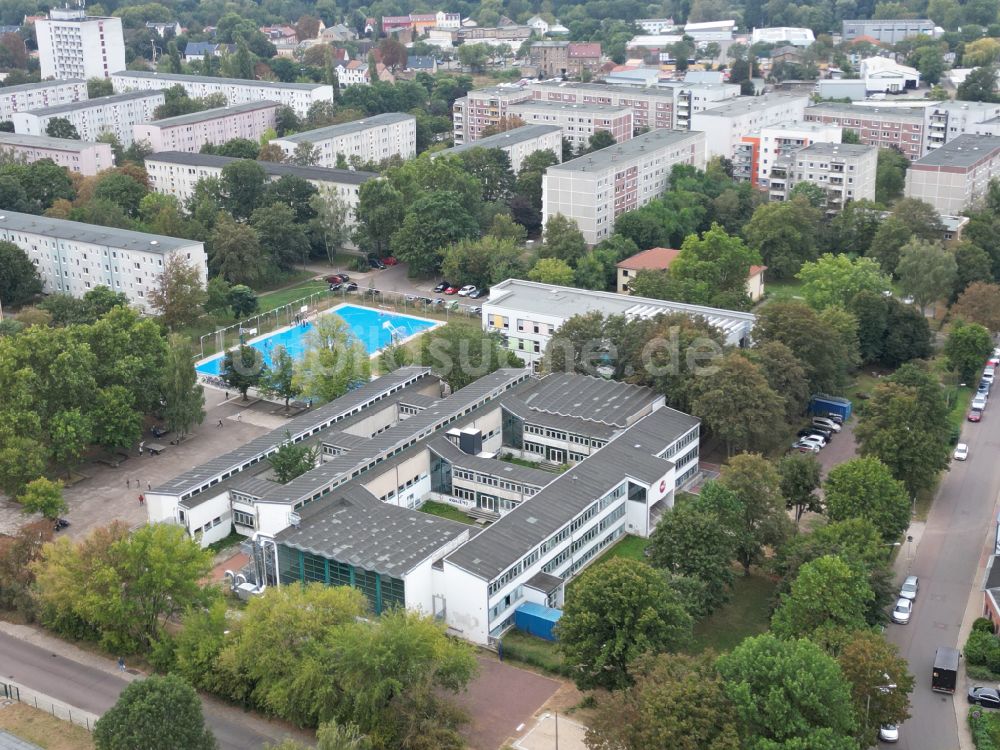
(823, 404)
(536, 620)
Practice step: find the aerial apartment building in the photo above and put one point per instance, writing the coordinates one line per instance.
(902, 128)
(565, 58)
(518, 143)
(595, 189)
(73, 258)
(298, 96)
(369, 140)
(72, 44)
(38, 95)
(117, 114)
(83, 157)
(214, 126)
(759, 152)
(484, 109)
(845, 171)
(726, 124)
(177, 173)
(956, 176)
(578, 122)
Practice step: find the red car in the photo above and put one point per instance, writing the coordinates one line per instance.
(975, 415)
(390, 261)
(451, 290)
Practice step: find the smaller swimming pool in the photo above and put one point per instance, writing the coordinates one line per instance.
(375, 329)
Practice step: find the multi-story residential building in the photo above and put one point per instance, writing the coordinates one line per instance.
(83, 157)
(797, 37)
(902, 128)
(759, 151)
(955, 176)
(656, 25)
(117, 114)
(28, 96)
(74, 258)
(72, 44)
(578, 122)
(352, 73)
(176, 173)
(726, 125)
(845, 171)
(369, 141)
(565, 58)
(528, 314)
(298, 96)
(485, 108)
(950, 119)
(595, 189)
(518, 143)
(215, 126)
(890, 30)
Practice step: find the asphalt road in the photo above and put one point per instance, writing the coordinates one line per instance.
(95, 691)
(946, 561)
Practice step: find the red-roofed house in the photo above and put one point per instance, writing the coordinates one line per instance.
(660, 258)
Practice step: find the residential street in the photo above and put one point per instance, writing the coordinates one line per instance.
(958, 530)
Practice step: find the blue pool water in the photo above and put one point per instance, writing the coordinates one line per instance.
(373, 328)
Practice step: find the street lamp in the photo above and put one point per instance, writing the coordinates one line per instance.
(882, 689)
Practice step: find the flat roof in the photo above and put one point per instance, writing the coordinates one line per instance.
(506, 138)
(836, 149)
(743, 104)
(910, 114)
(630, 455)
(124, 239)
(181, 78)
(39, 85)
(565, 302)
(577, 106)
(355, 126)
(44, 141)
(319, 174)
(587, 397)
(645, 143)
(603, 88)
(100, 101)
(964, 151)
(213, 113)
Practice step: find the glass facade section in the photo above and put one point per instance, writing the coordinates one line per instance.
(382, 592)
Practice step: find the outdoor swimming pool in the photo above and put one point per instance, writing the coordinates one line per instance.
(375, 329)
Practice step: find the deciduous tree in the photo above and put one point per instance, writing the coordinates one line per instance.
(236, 253)
(432, 224)
(563, 240)
(926, 271)
(967, 347)
(784, 373)
(785, 235)
(800, 478)
(281, 235)
(827, 594)
(813, 342)
(43, 496)
(280, 378)
(60, 127)
(243, 369)
(980, 303)
(865, 488)
(183, 397)
(180, 292)
(880, 683)
(552, 271)
(19, 279)
(460, 353)
(837, 279)
(292, 460)
(334, 361)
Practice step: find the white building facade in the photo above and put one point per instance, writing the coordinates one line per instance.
(369, 140)
(211, 126)
(72, 44)
(956, 176)
(74, 258)
(29, 96)
(83, 157)
(519, 143)
(117, 114)
(578, 122)
(726, 125)
(845, 172)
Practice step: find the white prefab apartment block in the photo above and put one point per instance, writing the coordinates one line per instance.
(72, 44)
(528, 314)
(578, 122)
(726, 125)
(845, 171)
(38, 95)
(117, 114)
(176, 173)
(518, 143)
(298, 96)
(83, 157)
(595, 189)
(74, 258)
(484, 108)
(956, 176)
(761, 151)
(369, 140)
(215, 126)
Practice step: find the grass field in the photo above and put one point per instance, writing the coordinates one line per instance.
(747, 613)
(43, 729)
(445, 511)
(272, 300)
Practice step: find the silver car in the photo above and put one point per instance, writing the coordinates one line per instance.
(909, 588)
(902, 611)
(888, 733)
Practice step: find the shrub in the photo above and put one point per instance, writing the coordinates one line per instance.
(985, 729)
(983, 625)
(983, 650)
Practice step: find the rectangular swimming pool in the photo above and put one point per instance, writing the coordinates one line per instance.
(375, 329)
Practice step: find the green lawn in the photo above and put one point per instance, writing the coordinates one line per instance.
(272, 300)
(782, 290)
(519, 461)
(445, 511)
(536, 652)
(747, 613)
(985, 727)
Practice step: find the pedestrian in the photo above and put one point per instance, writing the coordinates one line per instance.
(239, 416)
(121, 663)
(142, 499)
(149, 487)
(128, 483)
(220, 423)
(227, 395)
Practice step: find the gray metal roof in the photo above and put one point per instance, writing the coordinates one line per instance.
(964, 151)
(39, 85)
(841, 109)
(631, 454)
(565, 302)
(507, 138)
(744, 104)
(44, 141)
(543, 105)
(588, 398)
(641, 144)
(609, 89)
(124, 239)
(171, 78)
(850, 150)
(356, 126)
(312, 420)
(101, 101)
(273, 169)
(213, 113)
(351, 526)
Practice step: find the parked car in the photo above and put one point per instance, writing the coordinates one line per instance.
(832, 415)
(901, 612)
(975, 415)
(479, 294)
(376, 264)
(825, 434)
(438, 302)
(390, 261)
(814, 438)
(337, 278)
(335, 287)
(983, 389)
(988, 375)
(442, 286)
(467, 290)
(993, 361)
(888, 733)
(826, 423)
(451, 290)
(910, 587)
(805, 447)
(978, 402)
(986, 697)
(961, 452)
